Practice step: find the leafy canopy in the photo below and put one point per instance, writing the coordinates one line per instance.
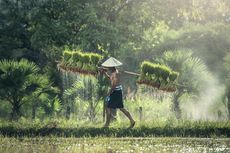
(19, 79)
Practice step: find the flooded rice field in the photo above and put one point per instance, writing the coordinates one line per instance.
(114, 145)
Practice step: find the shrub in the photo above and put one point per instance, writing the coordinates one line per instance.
(18, 81)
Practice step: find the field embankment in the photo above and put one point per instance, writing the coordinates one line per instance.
(174, 128)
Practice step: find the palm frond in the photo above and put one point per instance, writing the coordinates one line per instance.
(193, 71)
(195, 65)
(77, 85)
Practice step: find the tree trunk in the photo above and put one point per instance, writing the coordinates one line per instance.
(140, 110)
(227, 93)
(228, 102)
(91, 111)
(92, 115)
(68, 111)
(33, 112)
(176, 105)
(15, 114)
(104, 105)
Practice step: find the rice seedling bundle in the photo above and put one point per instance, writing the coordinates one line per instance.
(158, 76)
(78, 62)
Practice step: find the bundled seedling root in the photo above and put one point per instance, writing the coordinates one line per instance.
(76, 70)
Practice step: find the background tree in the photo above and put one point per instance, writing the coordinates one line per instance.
(131, 30)
(44, 97)
(193, 74)
(18, 80)
(227, 80)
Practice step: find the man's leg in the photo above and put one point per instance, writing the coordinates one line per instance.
(129, 116)
(108, 116)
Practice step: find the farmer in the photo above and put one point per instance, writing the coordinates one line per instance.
(114, 99)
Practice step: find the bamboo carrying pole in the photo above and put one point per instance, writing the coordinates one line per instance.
(132, 73)
(124, 71)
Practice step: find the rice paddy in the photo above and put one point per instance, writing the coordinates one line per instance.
(114, 145)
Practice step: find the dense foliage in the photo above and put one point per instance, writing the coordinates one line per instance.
(133, 31)
(18, 80)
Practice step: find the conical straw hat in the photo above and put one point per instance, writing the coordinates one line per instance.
(111, 62)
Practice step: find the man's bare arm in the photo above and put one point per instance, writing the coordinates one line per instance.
(113, 85)
(107, 74)
(102, 70)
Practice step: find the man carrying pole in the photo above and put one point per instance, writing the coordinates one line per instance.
(114, 99)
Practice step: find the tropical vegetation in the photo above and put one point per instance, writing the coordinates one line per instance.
(175, 45)
(21, 79)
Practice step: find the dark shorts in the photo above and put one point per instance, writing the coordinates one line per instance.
(115, 100)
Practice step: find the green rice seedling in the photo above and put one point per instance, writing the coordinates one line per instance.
(156, 75)
(147, 68)
(95, 58)
(86, 61)
(163, 83)
(67, 55)
(76, 58)
(85, 58)
(173, 76)
(157, 69)
(79, 63)
(164, 71)
(76, 61)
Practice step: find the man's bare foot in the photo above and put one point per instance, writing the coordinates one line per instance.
(132, 124)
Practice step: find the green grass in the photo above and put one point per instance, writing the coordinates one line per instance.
(168, 128)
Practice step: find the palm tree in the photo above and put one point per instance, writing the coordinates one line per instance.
(19, 79)
(86, 89)
(193, 74)
(45, 95)
(227, 80)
